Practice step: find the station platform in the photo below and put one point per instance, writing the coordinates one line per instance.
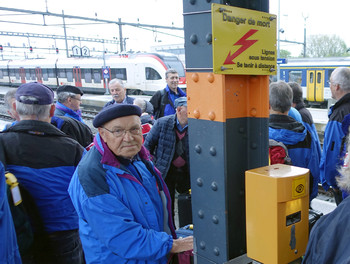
(95, 100)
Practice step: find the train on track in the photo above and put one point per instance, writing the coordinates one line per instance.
(142, 73)
(313, 75)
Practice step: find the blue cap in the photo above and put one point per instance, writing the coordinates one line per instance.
(114, 111)
(34, 93)
(180, 101)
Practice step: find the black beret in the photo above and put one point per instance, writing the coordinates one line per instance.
(114, 111)
(69, 89)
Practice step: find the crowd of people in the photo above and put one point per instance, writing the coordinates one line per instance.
(109, 197)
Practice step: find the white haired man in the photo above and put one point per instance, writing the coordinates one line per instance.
(43, 160)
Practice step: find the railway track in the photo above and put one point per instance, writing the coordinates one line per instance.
(6, 117)
(89, 114)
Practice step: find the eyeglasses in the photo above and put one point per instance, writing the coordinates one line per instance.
(135, 131)
(330, 83)
(77, 99)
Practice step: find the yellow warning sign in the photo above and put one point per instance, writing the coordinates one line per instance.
(299, 187)
(244, 41)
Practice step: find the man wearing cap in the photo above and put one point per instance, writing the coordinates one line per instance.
(122, 202)
(168, 143)
(118, 92)
(163, 100)
(68, 102)
(43, 159)
(70, 126)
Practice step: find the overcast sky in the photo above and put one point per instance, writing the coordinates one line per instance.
(322, 17)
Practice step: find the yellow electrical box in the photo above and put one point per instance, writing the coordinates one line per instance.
(277, 213)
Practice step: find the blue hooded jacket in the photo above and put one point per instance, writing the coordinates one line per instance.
(301, 147)
(334, 141)
(124, 209)
(43, 160)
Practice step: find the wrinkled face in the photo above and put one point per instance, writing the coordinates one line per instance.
(118, 92)
(182, 115)
(126, 142)
(173, 81)
(74, 102)
(332, 88)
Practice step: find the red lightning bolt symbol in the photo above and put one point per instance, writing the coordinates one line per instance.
(245, 45)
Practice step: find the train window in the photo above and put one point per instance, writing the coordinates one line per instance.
(45, 75)
(69, 74)
(88, 76)
(295, 76)
(51, 73)
(17, 74)
(1, 75)
(319, 77)
(12, 72)
(61, 73)
(311, 77)
(97, 75)
(28, 75)
(5, 72)
(152, 74)
(119, 73)
(32, 74)
(175, 63)
(329, 76)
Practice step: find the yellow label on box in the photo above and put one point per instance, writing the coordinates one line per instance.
(299, 187)
(244, 41)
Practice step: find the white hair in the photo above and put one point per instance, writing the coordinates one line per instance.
(40, 111)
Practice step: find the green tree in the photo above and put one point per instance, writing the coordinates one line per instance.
(285, 54)
(319, 46)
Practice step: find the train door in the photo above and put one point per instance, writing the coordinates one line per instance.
(139, 76)
(77, 76)
(22, 75)
(39, 75)
(319, 86)
(315, 86)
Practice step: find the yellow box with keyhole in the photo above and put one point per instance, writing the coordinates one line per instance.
(277, 213)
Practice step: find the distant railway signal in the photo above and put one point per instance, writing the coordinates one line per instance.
(1, 48)
(31, 49)
(57, 51)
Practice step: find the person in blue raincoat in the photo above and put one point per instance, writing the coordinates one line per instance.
(69, 101)
(307, 120)
(122, 201)
(298, 140)
(329, 238)
(336, 132)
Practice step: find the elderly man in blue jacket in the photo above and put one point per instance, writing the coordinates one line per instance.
(69, 101)
(336, 131)
(329, 238)
(43, 160)
(302, 149)
(122, 201)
